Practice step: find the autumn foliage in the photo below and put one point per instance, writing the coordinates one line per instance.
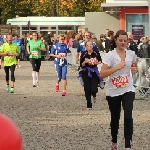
(47, 8)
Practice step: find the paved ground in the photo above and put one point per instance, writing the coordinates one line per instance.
(48, 121)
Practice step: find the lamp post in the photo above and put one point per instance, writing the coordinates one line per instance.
(10, 28)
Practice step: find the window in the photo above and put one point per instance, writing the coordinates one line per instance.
(66, 28)
(137, 24)
(31, 28)
(44, 28)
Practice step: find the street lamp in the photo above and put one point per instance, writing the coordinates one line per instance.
(10, 28)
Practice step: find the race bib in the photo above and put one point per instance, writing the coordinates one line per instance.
(35, 54)
(11, 54)
(62, 54)
(120, 81)
(92, 61)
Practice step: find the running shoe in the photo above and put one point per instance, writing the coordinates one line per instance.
(64, 93)
(127, 149)
(11, 90)
(37, 84)
(56, 87)
(19, 66)
(114, 146)
(34, 85)
(88, 108)
(7, 88)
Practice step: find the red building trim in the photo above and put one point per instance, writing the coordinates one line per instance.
(132, 11)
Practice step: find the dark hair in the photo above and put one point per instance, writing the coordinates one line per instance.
(110, 33)
(16, 35)
(35, 33)
(120, 32)
(102, 36)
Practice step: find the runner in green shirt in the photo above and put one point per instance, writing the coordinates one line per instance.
(9, 50)
(34, 48)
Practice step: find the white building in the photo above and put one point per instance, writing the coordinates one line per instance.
(47, 24)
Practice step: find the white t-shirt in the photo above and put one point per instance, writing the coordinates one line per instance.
(120, 81)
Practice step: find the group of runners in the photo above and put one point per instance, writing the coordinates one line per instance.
(117, 65)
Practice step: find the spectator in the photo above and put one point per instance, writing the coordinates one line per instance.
(132, 44)
(98, 43)
(71, 40)
(145, 48)
(105, 42)
(112, 43)
(76, 41)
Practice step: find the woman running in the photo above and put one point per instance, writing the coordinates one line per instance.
(34, 48)
(117, 64)
(59, 51)
(89, 73)
(9, 50)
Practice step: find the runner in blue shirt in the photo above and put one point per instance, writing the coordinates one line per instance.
(19, 43)
(60, 51)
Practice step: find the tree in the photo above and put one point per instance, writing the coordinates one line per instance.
(25, 8)
(79, 7)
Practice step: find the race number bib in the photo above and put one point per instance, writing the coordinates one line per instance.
(11, 54)
(62, 54)
(92, 61)
(35, 54)
(120, 81)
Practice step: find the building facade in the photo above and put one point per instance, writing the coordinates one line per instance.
(133, 15)
(44, 25)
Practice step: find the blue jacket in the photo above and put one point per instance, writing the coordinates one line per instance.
(1, 39)
(60, 48)
(81, 47)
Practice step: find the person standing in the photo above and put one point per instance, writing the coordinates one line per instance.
(1, 44)
(117, 64)
(89, 72)
(34, 48)
(19, 43)
(60, 51)
(9, 50)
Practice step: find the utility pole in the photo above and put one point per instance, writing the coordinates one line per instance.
(28, 26)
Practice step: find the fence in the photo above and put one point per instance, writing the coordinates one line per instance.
(141, 79)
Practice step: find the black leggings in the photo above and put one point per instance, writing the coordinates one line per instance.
(90, 87)
(36, 64)
(12, 70)
(115, 109)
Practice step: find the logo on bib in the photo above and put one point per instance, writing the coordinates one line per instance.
(120, 81)
(62, 54)
(92, 61)
(35, 54)
(11, 54)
